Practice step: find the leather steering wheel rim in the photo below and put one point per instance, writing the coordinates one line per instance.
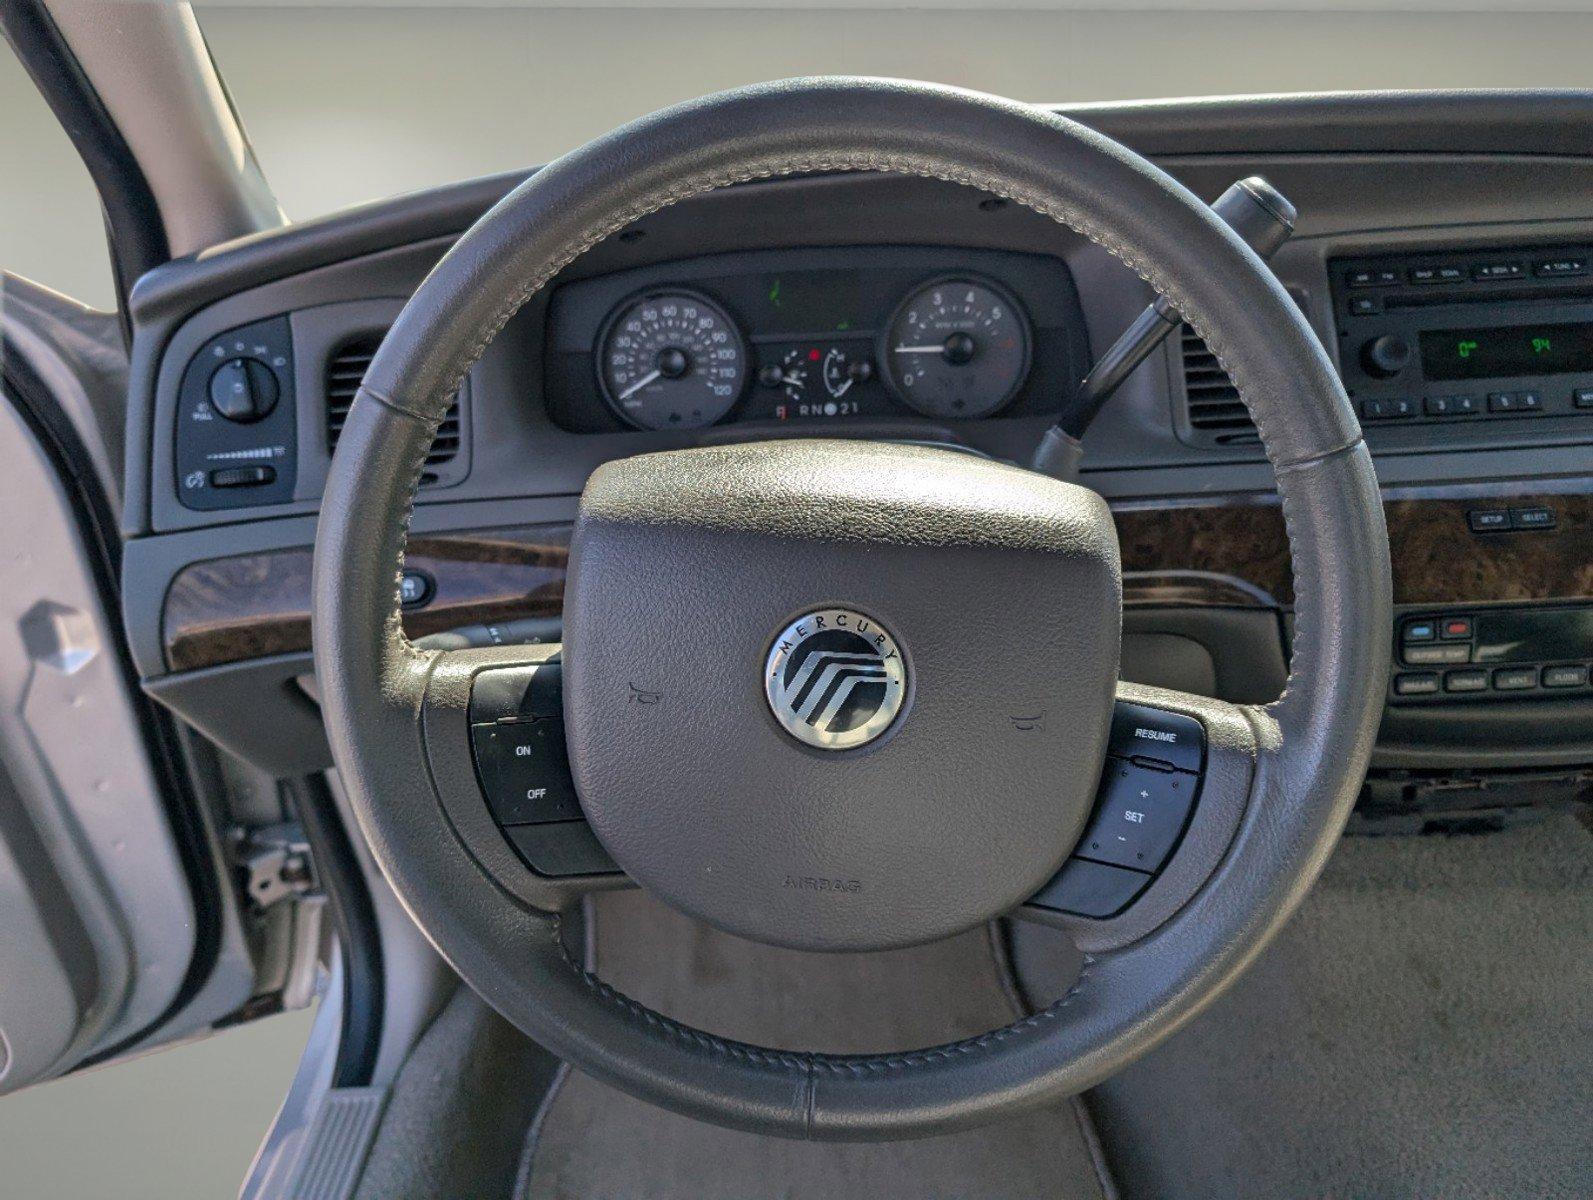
(1306, 753)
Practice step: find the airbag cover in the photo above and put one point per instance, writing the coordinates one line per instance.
(1001, 590)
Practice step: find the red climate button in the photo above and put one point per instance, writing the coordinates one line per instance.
(1457, 627)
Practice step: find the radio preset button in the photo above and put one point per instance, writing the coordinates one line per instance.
(1452, 406)
(1582, 397)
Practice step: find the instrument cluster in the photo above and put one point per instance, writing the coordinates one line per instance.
(907, 333)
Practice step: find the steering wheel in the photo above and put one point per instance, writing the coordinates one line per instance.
(840, 695)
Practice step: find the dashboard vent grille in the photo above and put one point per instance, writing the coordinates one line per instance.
(345, 368)
(1210, 397)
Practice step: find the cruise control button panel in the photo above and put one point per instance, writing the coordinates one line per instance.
(517, 741)
(1148, 792)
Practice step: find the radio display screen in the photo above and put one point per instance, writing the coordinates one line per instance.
(1507, 350)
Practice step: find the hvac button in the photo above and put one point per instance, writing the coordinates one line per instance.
(525, 771)
(1140, 732)
(1139, 816)
(1564, 677)
(1090, 889)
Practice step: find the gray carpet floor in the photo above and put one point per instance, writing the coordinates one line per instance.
(593, 1143)
(1423, 1028)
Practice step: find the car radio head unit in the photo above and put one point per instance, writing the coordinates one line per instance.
(1471, 347)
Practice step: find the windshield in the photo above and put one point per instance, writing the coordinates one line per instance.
(424, 96)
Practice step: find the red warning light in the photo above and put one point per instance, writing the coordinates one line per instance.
(813, 356)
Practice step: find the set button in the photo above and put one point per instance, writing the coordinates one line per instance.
(1139, 817)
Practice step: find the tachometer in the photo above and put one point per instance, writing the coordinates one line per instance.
(957, 347)
(671, 360)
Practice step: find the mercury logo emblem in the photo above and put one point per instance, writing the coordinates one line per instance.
(835, 679)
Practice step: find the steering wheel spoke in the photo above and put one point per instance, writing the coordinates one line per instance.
(494, 730)
(1178, 777)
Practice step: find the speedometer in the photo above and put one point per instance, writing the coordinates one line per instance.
(957, 347)
(671, 360)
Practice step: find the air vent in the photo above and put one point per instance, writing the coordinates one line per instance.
(345, 368)
(1211, 399)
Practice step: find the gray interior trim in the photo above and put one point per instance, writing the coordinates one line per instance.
(154, 74)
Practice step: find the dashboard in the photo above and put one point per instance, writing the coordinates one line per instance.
(1442, 256)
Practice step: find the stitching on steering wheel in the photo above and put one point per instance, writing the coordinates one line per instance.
(836, 1064)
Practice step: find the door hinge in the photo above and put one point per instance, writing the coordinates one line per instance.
(275, 862)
